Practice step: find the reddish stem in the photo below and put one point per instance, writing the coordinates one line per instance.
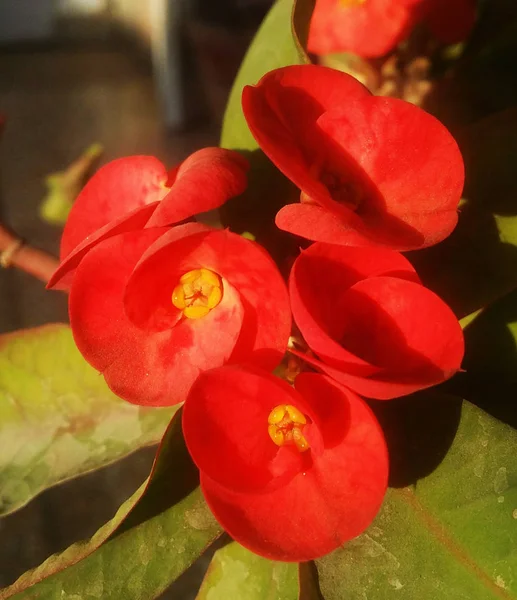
(31, 260)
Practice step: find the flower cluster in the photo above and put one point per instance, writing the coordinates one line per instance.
(170, 310)
(372, 28)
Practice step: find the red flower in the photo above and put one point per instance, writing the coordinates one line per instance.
(372, 28)
(291, 474)
(153, 306)
(368, 28)
(137, 191)
(372, 171)
(374, 327)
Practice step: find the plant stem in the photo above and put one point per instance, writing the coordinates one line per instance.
(13, 252)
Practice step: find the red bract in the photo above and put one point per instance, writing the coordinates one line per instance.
(368, 28)
(151, 309)
(290, 474)
(372, 171)
(130, 193)
(373, 326)
(151, 306)
(372, 28)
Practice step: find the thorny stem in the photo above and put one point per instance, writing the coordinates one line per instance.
(14, 252)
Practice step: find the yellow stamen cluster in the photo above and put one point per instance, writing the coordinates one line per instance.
(285, 426)
(197, 293)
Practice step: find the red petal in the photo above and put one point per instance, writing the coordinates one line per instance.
(155, 369)
(402, 336)
(148, 293)
(403, 328)
(133, 221)
(331, 502)
(319, 310)
(318, 224)
(116, 189)
(381, 387)
(364, 147)
(225, 422)
(204, 181)
(369, 29)
(243, 264)
(162, 369)
(283, 99)
(389, 139)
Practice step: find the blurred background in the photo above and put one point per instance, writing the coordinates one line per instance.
(136, 77)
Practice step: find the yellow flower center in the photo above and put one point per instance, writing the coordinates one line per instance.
(197, 293)
(285, 426)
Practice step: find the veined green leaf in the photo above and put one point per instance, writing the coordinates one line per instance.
(469, 319)
(279, 42)
(238, 573)
(451, 535)
(58, 419)
(490, 377)
(159, 532)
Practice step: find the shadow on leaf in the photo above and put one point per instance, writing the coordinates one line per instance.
(173, 478)
(472, 267)
(490, 363)
(419, 431)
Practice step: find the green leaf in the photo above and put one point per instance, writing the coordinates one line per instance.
(58, 419)
(64, 186)
(490, 377)
(238, 573)
(451, 535)
(56, 563)
(478, 263)
(469, 319)
(279, 42)
(157, 534)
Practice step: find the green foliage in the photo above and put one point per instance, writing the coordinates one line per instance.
(154, 537)
(59, 419)
(452, 534)
(71, 556)
(490, 377)
(276, 44)
(64, 186)
(238, 573)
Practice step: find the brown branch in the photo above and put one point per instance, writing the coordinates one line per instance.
(15, 253)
